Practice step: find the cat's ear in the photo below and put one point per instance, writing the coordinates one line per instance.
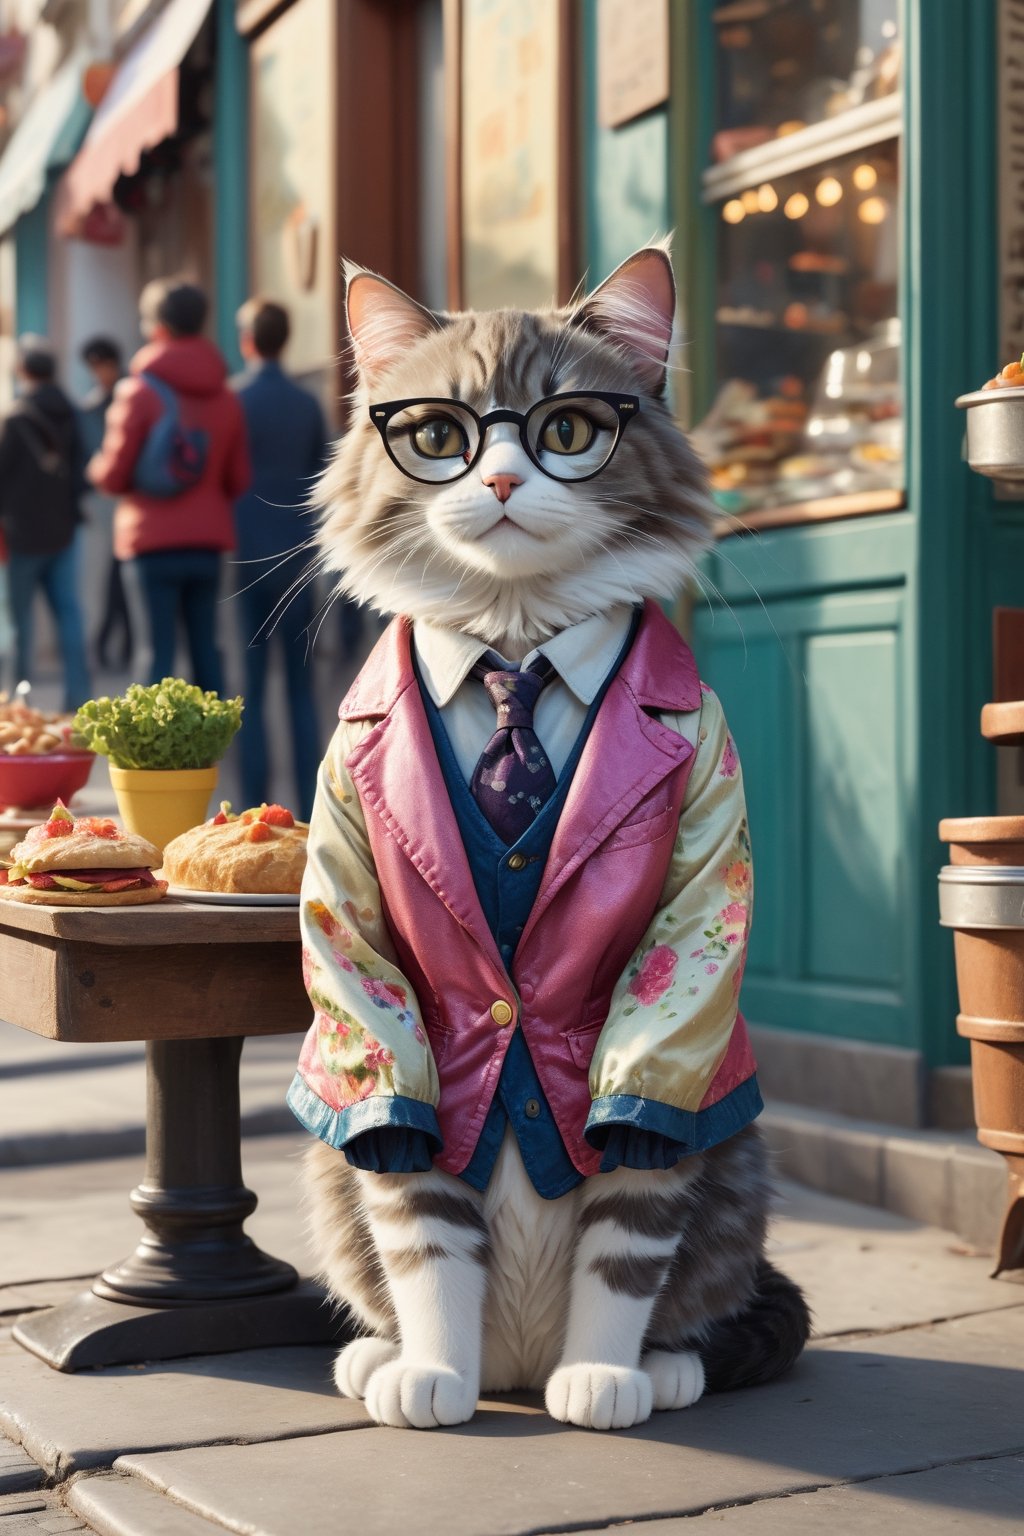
(635, 308)
(382, 321)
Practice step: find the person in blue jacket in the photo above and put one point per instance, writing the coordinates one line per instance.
(288, 446)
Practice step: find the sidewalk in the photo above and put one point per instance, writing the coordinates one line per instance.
(904, 1415)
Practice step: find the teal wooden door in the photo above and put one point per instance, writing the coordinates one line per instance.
(808, 652)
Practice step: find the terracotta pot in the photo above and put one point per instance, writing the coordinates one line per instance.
(984, 839)
(983, 901)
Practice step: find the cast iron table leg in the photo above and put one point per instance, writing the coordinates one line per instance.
(196, 1284)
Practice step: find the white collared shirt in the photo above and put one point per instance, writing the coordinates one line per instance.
(582, 656)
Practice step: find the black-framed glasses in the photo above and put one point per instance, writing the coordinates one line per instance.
(567, 437)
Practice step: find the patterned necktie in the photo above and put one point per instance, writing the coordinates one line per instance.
(513, 778)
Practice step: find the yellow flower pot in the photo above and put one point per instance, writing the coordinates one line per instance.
(161, 803)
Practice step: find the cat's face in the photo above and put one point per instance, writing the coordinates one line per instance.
(508, 548)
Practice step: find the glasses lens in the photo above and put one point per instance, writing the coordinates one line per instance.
(432, 441)
(574, 437)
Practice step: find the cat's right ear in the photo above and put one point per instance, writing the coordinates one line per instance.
(382, 321)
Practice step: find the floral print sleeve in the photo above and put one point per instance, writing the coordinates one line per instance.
(671, 1020)
(366, 1062)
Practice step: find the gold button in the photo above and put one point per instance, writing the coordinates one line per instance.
(703, 733)
(501, 1013)
(516, 861)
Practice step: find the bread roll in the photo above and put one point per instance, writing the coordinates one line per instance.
(226, 858)
(85, 850)
(29, 894)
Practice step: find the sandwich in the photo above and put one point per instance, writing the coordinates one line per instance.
(84, 861)
(261, 851)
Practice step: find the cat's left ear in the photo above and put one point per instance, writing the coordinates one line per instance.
(635, 308)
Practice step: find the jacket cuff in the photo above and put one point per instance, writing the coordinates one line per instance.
(688, 1130)
(338, 1127)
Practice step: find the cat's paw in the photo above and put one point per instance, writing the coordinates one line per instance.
(677, 1377)
(419, 1396)
(357, 1362)
(599, 1396)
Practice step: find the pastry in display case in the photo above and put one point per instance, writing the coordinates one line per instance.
(784, 65)
(808, 403)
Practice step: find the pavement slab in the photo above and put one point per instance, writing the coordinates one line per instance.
(851, 1411)
(865, 1270)
(978, 1498)
(62, 1102)
(73, 1221)
(37, 1515)
(67, 1423)
(115, 1505)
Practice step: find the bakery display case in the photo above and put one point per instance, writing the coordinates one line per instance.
(806, 415)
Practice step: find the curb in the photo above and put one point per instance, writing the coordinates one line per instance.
(942, 1178)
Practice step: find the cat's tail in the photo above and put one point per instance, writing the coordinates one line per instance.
(761, 1342)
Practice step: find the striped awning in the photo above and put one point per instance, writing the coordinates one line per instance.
(45, 140)
(139, 109)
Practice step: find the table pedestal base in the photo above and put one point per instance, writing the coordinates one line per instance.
(90, 1331)
(196, 1284)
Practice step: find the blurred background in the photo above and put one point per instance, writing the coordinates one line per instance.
(846, 183)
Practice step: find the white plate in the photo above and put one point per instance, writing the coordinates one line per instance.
(237, 898)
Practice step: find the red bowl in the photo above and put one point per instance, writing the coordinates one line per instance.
(38, 779)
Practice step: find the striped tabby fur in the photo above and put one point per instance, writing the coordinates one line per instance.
(638, 1289)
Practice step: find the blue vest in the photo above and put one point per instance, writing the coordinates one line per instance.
(507, 890)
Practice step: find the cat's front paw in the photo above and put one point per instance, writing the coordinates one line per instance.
(599, 1396)
(419, 1396)
(677, 1377)
(357, 1362)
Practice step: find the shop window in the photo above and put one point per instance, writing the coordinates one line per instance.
(807, 414)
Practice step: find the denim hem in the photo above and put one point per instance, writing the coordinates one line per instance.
(336, 1127)
(693, 1130)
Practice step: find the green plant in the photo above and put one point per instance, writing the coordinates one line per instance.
(170, 724)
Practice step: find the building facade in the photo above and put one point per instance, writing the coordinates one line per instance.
(832, 170)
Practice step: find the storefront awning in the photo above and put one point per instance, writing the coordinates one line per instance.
(44, 140)
(139, 110)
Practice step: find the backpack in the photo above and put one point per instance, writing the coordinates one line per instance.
(173, 457)
(42, 442)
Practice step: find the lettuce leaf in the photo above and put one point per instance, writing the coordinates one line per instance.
(170, 724)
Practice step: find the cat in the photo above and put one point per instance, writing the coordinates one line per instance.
(639, 1280)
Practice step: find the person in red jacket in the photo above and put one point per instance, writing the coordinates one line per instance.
(177, 542)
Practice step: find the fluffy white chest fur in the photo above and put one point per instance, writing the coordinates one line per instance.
(532, 1244)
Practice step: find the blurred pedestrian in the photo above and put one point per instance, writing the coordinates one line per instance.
(288, 444)
(102, 357)
(41, 489)
(174, 452)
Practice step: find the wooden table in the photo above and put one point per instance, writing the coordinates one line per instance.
(192, 980)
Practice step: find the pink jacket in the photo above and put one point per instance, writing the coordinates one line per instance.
(599, 891)
(203, 516)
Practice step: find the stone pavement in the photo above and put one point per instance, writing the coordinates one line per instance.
(904, 1415)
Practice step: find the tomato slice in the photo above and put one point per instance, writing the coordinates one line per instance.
(277, 816)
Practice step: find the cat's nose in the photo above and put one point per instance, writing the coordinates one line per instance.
(502, 485)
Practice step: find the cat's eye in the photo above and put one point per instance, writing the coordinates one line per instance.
(440, 438)
(566, 437)
(567, 432)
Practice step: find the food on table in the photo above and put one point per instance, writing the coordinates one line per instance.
(25, 731)
(1010, 377)
(83, 861)
(262, 851)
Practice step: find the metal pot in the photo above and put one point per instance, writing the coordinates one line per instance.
(995, 432)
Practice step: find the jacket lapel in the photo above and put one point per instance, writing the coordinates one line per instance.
(628, 751)
(399, 779)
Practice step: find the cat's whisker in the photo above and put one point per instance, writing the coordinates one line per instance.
(262, 576)
(284, 602)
